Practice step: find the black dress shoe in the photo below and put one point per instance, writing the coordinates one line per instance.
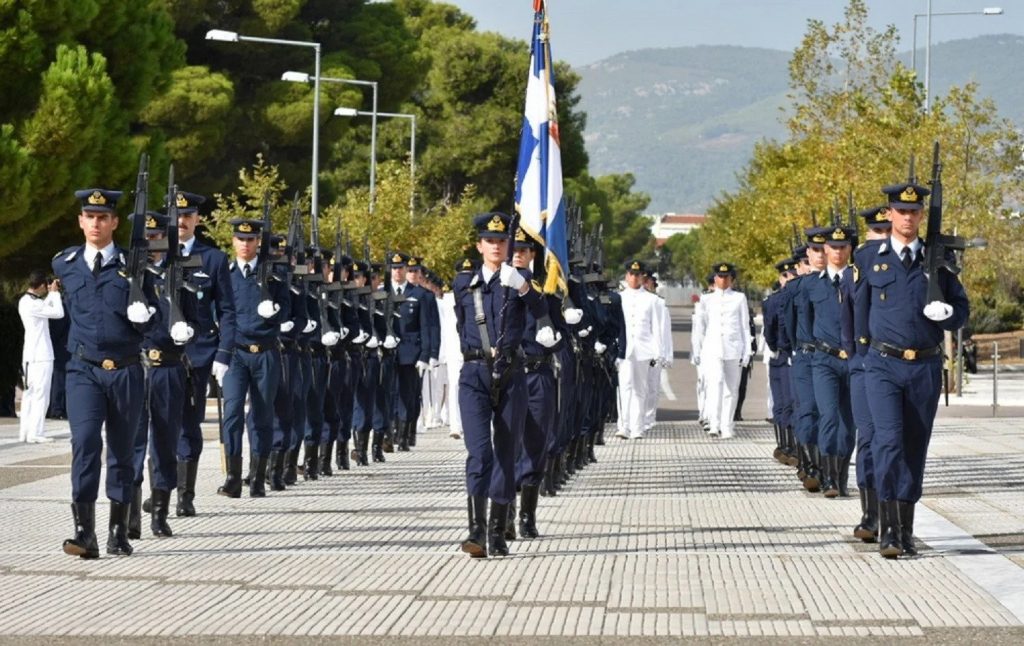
(83, 544)
(135, 514)
(117, 534)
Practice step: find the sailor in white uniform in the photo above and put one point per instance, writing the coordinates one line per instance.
(643, 314)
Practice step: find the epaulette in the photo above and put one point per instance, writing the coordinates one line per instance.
(71, 251)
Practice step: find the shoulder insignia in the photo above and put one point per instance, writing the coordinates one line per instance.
(536, 286)
(856, 274)
(71, 256)
(121, 259)
(201, 274)
(882, 248)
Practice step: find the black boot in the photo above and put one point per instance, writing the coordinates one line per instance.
(528, 512)
(496, 545)
(326, 451)
(599, 440)
(84, 543)
(411, 435)
(867, 529)
(889, 544)
(187, 472)
(387, 443)
(591, 457)
(342, 458)
(581, 454)
(801, 465)
(291, 467)
(906, 512)
(843, 477)
(359, 455)
(812, 481)
(135, 513)
(777, 453)
(792, 452)
(378, 449)
(252, 469)
(569, 459)
(510, 521)
(117, 535)
(276, 471)
(561, 476)
(147, 505)
(548, 483)
(830, 469)
(257, 486)
(311, 463)
(476, 543)
(402, 428)
(158, 516)
(232, 487)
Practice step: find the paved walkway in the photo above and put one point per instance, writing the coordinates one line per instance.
(672, 536)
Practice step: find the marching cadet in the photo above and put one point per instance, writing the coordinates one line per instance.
(105, 378)
(701, 386)
(827, 295)
(289, 398)
(876, 221)
(491, 313)
(901, 332)
(663, 362)
(367, 369)
(722, 346)
(414, 331)
(166, 391)
(644, 334)
(312, 340)
(210, 351)
(802, 341)
(780, 352)
(40, 304)
(541, 395)
(340, 383)
(256, 365)
(382, 343)
(431, 336)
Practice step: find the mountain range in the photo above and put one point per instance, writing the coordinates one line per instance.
(684, 120)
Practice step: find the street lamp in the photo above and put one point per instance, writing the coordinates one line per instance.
(302, 77)
(352, 112)
(973, 243)
(987, 11)
(223, 36)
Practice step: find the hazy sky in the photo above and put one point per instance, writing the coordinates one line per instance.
(585, 31)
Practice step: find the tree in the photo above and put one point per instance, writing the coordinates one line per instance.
(609, 200)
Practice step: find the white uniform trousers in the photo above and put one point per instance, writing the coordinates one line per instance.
(722, 381)
(702, 394)
(653, 391)
(35, 400)
(454, 367)
(633, 383)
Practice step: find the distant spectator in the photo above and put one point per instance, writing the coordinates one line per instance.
(40, 303)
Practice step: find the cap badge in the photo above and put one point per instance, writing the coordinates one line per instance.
(245, 227)
(97, 198)
(839, 234)
(635, 266)
(496, 224)
(151, 222)
(723, 268)
(908, 195)
(180, 201)
(396, 258)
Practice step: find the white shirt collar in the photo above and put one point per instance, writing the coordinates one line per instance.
(187, 246)
(241, 265)
(833, 272)
(91, 251)
(898, 246)
(400, 286)
(487, 273)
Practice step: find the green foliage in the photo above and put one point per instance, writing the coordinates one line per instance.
(683, 255)
(611, 202)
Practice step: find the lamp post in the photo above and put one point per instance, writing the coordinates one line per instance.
(987, 11)
(234, 37)
(302, 77)
(352, 112)
(973, 243)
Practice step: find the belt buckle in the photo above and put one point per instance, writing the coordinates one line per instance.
(254, 348)
(843, 355)
(108, 364)
(156, 356)
(909, 355)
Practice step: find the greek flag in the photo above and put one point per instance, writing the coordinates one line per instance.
(539, 173)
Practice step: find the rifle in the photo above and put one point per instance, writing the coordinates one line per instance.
(264, 270)
(174, 263)
(937, 243)
(138, 250)
(496, 375)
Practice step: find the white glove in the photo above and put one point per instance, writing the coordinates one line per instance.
(219, 370)
(434, 363)
(695, 360)
(573, 316)
(267, 308)
(138, 312)
(287, 326)
(421, 367)
(599, 347)
(774, 355)
(181, 333)
(344, 332)
(510, 277)
(361, 338)
(938, 311)
(310, 326)
(618, 362)
(329, 339)
(745, 361)
(373, 343)
(390, 342)
(586, 332)
(547, 337)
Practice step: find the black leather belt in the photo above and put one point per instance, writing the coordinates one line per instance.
(110, 363)
(475, 355)
(907, 354)
(289, 345)
(835, 352)
(157, 357)
(256, 348)
(532, 362)
(808, 347)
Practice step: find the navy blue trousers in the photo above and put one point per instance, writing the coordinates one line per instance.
(258, 376)
(159, 427)
(286, 400)
(862, 420)
(832, 397)
(568, 402)
(409, 386)
(540, 425)
(490, 465)
(190, 440)
(806, 423)
(96, 396)
(780, 383)
(366, 377)
(316, 391)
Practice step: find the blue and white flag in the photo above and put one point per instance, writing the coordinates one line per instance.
(539, 173)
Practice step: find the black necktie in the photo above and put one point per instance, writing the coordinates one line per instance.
(97, 262)
(245, 270)
(908, 260)
(181, 250)
(398, 290)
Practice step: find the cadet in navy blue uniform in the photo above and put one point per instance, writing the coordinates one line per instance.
(802, 341)
(210, 351)
(491, 313)
(104, 376)
(781, 353)
(904, 362)
(431, 336)
(256, 366)
(877, 223)
(412, 356)
(340, 385)
(316, 355)
(366, 370)
(541, 391)
(166, 390)
(831, 376)
(289, 401)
